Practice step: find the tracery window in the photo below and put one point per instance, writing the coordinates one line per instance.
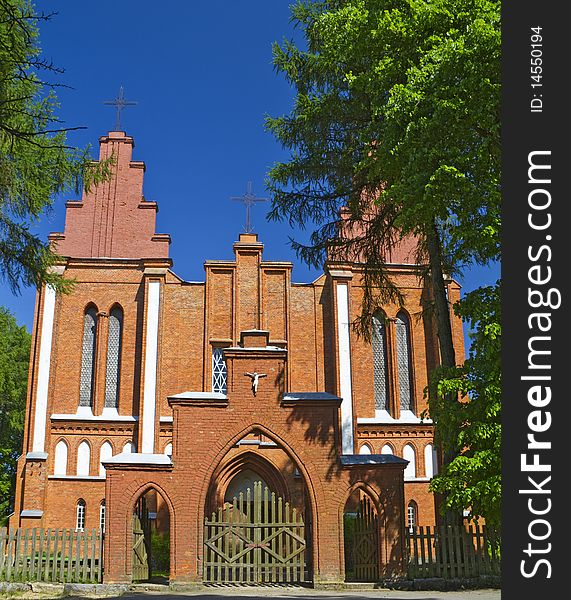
(218, 370)
(380, 365)
(113, 358)
(403, 361)
(88, 357)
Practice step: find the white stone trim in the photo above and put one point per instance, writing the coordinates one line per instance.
(41, 410)
(30, 512)
(36, 456)
(383, 417)
(345, 386)
(78, 477)
(99, 418)
(150, 376)
(200, 396)
(139, 459)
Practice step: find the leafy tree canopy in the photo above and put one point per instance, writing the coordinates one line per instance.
(14, 358)
(35, 163)
(472, 429)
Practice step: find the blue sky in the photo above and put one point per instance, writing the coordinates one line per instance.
(202, 76)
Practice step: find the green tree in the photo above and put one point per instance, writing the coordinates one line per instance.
(471, 429)
(397, 105)
(36, 164)
(14, 359)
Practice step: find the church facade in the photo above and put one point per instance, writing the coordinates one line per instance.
(143, 385)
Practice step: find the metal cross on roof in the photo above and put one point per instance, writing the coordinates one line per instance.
(249, 200)
(120, 103)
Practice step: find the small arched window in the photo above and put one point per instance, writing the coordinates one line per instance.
(105, 453)
(411, 516)
(386, 449)
(380, 365)
(88, 357)
(80, 515)
(365, 449)
(83, 459)
(403, 361)
(60, 459)
(102, 516)
(168, 449)
(112, 375)
(410, 455)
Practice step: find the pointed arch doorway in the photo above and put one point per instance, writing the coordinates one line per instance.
(361, 538)
(256, 525)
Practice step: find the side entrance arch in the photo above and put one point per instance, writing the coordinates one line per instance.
(151, 538)
(361, 538)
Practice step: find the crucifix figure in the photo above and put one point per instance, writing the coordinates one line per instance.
(120, 103)
(249, 200)
(255, 377)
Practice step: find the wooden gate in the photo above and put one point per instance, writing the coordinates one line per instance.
(256, 539)
(362, 542)
(141, 542)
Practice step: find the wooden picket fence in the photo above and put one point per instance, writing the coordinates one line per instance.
(453, 551)
(52, 555)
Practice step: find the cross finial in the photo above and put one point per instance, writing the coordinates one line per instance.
(120, 103)
(249, 199)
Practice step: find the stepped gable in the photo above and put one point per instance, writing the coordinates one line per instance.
(113, 220)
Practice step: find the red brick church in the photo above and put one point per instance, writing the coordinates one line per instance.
(240, 416)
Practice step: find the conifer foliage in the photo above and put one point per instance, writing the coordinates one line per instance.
(36, 164)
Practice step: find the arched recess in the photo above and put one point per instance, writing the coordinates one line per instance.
(387, 449)
(361, 535)
(409, 453)
(365, 449)
(105, 453)
(60, 458)
(152, 523)
(83, 459)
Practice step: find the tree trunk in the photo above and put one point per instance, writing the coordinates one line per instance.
(445, 339)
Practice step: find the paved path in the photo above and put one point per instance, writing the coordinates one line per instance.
(223, 593)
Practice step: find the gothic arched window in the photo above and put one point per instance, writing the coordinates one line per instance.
(88, 357)
(380, 364)
(403, 361)
(113, 358)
